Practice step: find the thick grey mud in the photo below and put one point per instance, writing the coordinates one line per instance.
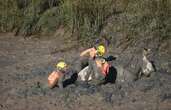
(26, 63)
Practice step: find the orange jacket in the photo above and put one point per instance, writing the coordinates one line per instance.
(53, 78)
(91, 52)
(103, 67)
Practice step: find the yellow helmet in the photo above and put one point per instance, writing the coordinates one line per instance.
(61, 65)
(100, 50)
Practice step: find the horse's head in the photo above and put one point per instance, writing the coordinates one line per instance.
(146, 52)
(147, 66)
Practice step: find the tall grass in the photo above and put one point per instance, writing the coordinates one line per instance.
(86, 17)
(10, 15)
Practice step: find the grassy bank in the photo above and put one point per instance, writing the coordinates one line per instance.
(86, 19)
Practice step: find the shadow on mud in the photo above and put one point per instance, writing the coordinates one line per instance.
(111, 76)
(70, 80)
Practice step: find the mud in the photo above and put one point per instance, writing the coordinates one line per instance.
(26, 63)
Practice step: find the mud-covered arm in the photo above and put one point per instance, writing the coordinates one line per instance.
(85, 52)
(60, 82)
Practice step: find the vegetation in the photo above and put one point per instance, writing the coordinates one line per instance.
(86, 18)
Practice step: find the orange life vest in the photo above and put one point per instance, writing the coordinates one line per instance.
(53, 78)
(105, 68)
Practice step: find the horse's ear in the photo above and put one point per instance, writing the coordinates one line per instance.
(145, 49)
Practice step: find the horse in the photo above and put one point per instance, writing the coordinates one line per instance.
(137, 66)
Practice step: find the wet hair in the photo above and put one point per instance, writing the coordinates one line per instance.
(101, 58)
(95, 46)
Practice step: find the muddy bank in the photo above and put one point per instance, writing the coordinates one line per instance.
(26, 63)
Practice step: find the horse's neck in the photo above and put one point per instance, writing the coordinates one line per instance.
(147, 62)
(145, 58)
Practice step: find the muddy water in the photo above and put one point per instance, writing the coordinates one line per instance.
(26, 63)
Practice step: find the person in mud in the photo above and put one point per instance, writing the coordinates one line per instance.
(87, 56)
(102, 71)
(92, 54)
(57, 77)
